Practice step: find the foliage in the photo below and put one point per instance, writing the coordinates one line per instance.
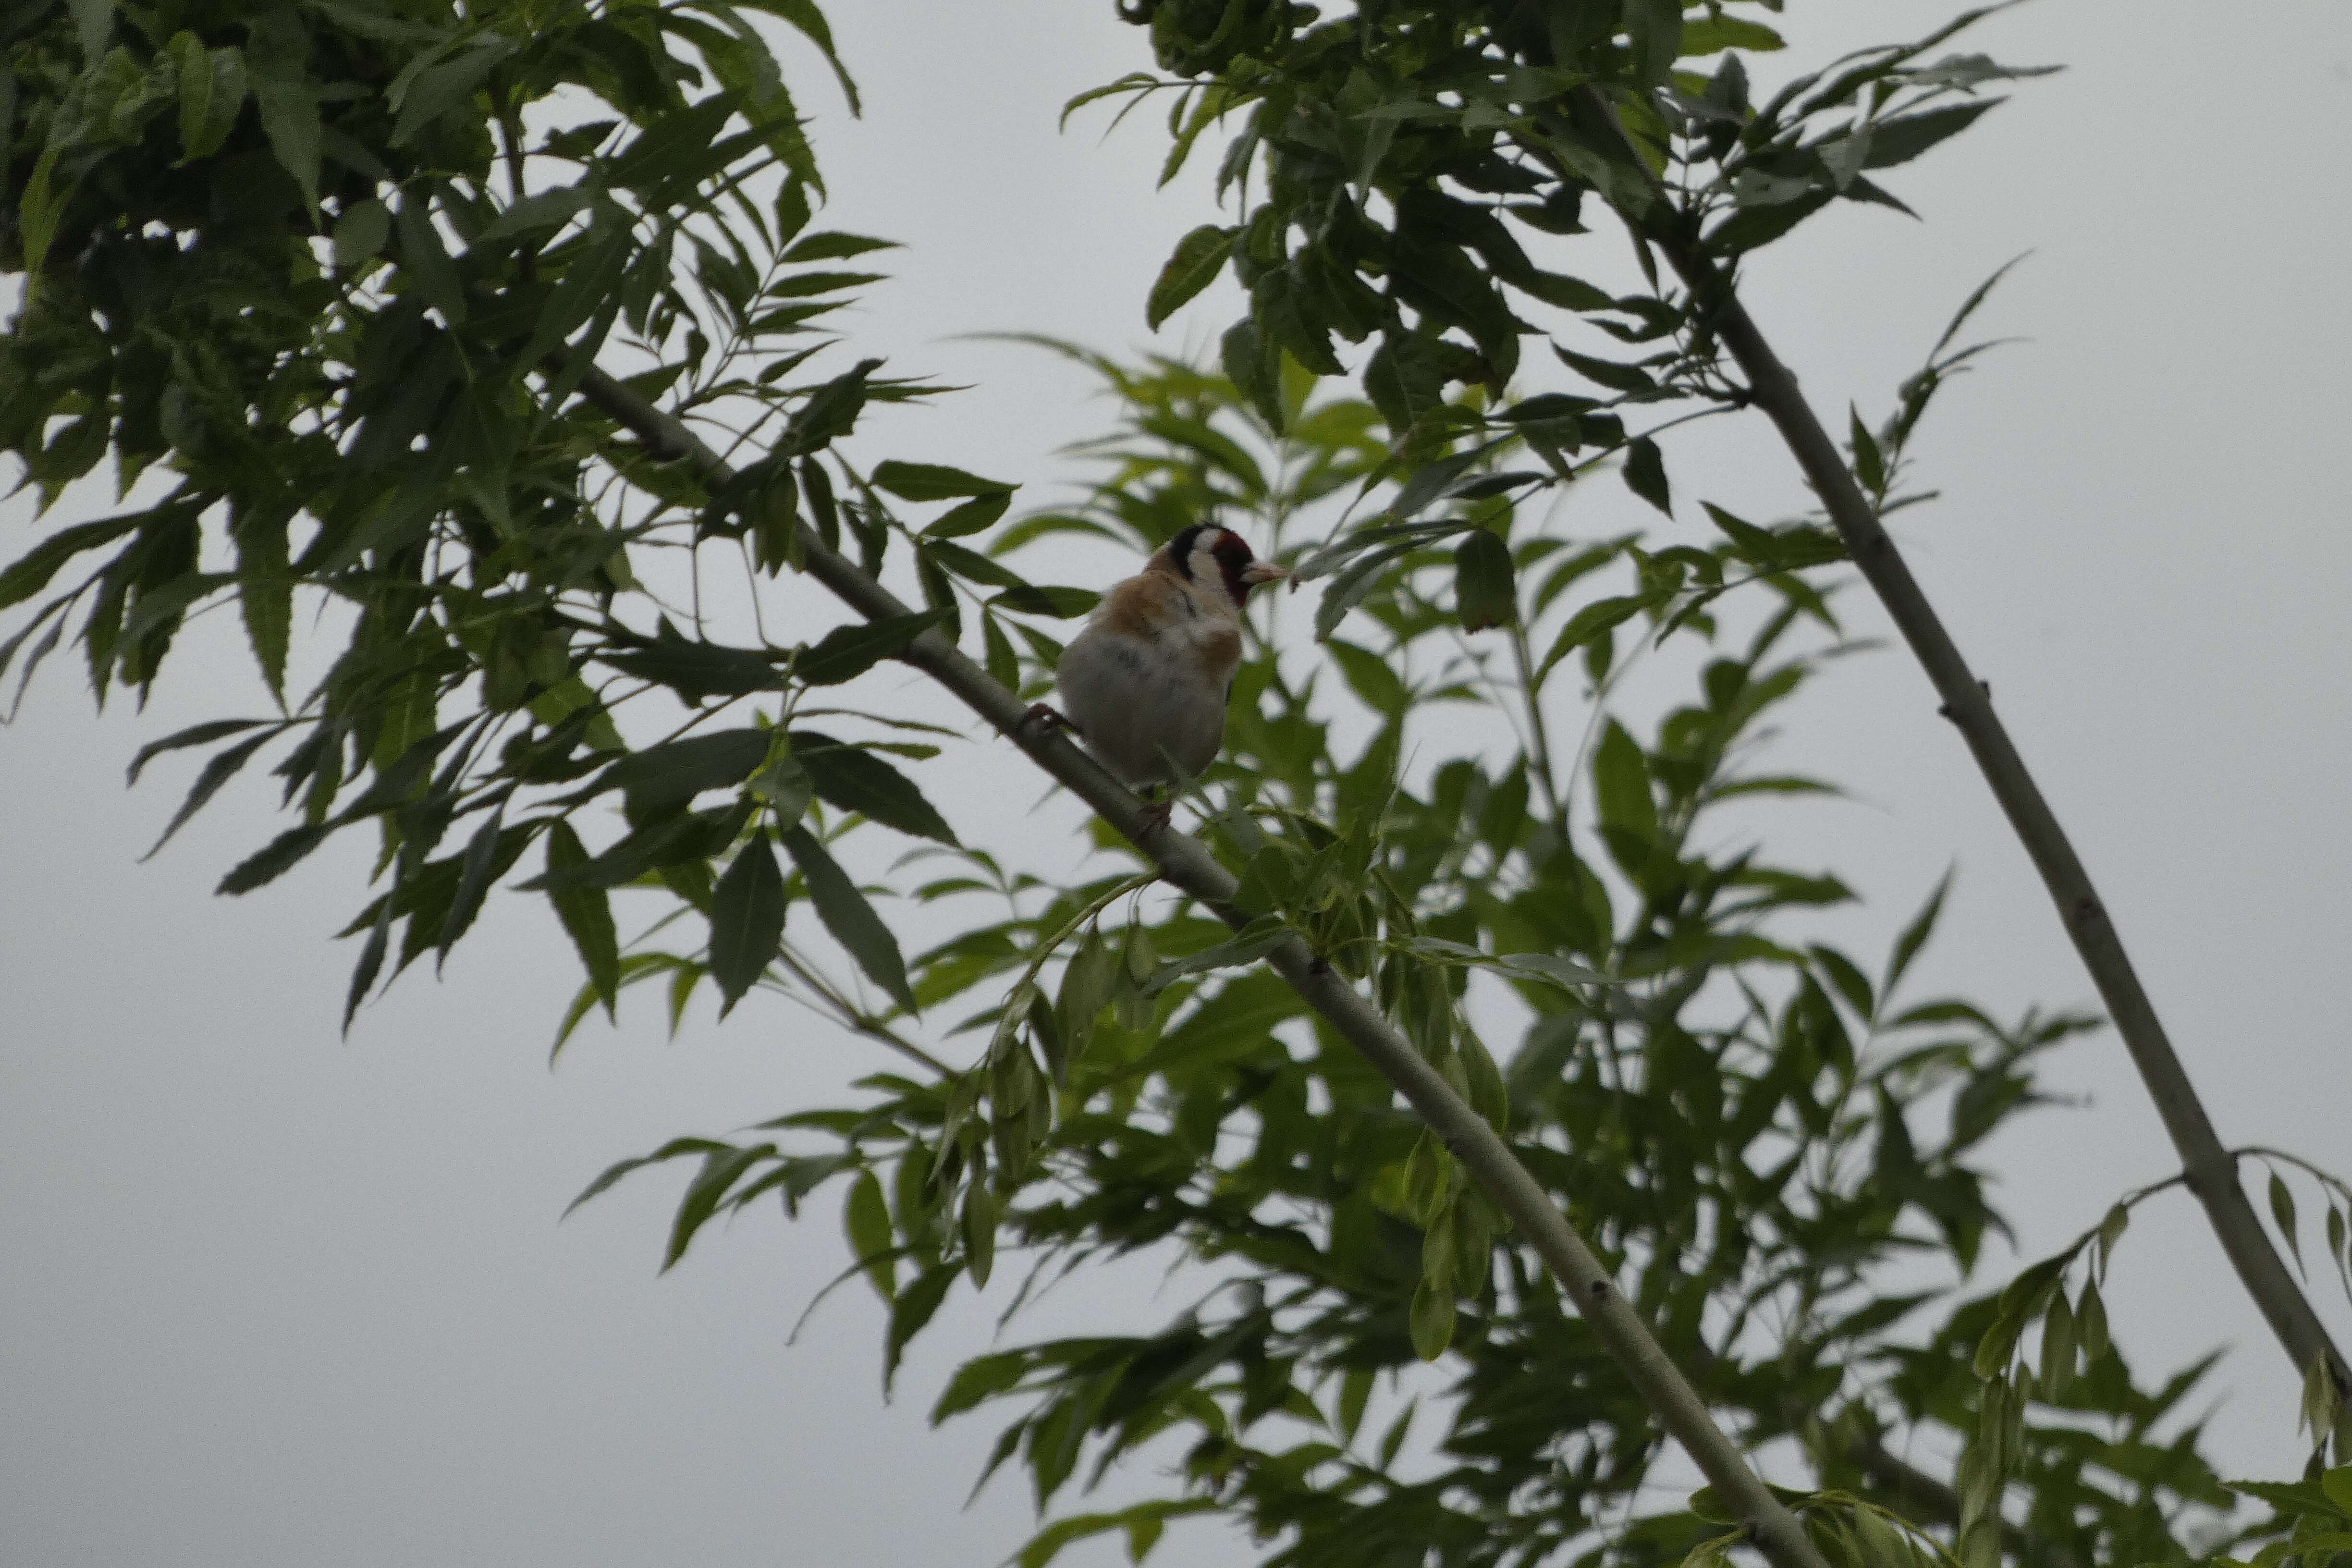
(323, 282)
(1773, 1152)
(331, 295)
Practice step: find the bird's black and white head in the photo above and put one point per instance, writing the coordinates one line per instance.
(1217, 559)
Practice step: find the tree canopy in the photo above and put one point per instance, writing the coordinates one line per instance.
(499, 333)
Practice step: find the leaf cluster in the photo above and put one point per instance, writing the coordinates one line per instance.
(1758, 1133)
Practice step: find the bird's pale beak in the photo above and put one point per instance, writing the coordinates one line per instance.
(1263, 571)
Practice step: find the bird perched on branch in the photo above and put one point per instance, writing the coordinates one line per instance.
(1145, 685)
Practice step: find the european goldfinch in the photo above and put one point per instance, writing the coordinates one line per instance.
(1145, 684)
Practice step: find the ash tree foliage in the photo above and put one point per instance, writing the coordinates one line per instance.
(357, 306)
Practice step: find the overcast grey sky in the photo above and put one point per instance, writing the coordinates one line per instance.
(271, 1299)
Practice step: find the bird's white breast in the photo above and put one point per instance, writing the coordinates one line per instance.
(1146, 681)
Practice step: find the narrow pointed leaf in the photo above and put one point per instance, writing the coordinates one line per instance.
(849, 651)
(1200, 255)
(586, 914)
(747, 921)
(218, 769)
(850, 919)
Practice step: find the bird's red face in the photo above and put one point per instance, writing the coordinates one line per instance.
(1206, 552)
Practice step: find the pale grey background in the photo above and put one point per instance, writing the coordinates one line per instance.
(269, 1298)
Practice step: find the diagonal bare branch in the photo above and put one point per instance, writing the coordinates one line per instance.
(2210, 1171)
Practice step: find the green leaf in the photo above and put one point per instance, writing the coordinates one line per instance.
(1087, 981)
(721, 1169)
(1869, 464)
(1646, 474)
(1628, 811)
(194, 735)
(912, 1309)
(39, 208)
(1564, 973)
(1352, 585)
(831, 246)
(2058, 1343)
(371, 963)
(542, 209)
(1392, 1440)
(970, 564)
(424, 258)
(1588, 622)
(979, 1380)
(1485, 583)
(595, 264)
(810, 21)
(218, 769)
(265, 595)
(1355, 1394)
(850, 919)
(661, 779)
(1199, 257)
(212, 94)
(1248, 361)
(93, 24)
(361, 233)
(1432, 1319)
(785, 786)
(1905, 137)
(831, 412)
(1369, 677)
(849, 651)
(2282, 1212)
(980, 1221)
(1062, 604)
(968, 518)
(1710, 34)
(586, 914)
(1754, 228)
(2091, 1323)
(865, 1216)
(1915, 936)
(1607, 372)
(30, 573)
(856, 780)
(440, 88)
(747, 921)
(803, 285)
(1655, 30)
(290, 117)
(697, 670)
(676, 1148)
(934, 481)
(1247, 945)
(487, 854)
(274, 859)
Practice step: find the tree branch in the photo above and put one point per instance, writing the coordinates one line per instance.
(1188, 863)
(2211, 1172)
